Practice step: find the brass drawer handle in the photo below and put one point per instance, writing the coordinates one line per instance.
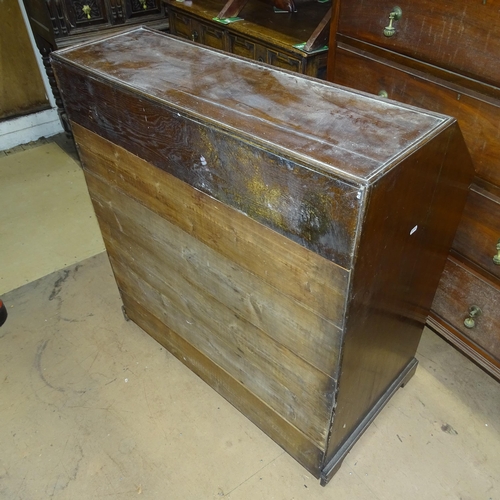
(395, 15)
(474, 312)
(496, 258)
(87, 11)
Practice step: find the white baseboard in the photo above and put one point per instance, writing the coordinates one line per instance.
(24, 129)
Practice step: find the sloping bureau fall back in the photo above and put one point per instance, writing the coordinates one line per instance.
(442, 56)
(281, 236)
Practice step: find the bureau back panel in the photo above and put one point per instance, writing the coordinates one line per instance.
(262, 308)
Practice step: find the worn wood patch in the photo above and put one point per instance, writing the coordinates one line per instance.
(283, 350)
(294, 390)
(301, 274)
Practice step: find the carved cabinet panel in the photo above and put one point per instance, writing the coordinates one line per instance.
(60, 23)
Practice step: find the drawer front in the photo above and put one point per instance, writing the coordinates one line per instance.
(212, 36)
(285, 61)
(243, 47)
(478, 234)
(462, 36)
(478, 119)
(182, 25)
(84, 14)
(460, 290)
(192, 29)
(141, 8)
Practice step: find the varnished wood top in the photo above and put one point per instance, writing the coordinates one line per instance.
(352, 134)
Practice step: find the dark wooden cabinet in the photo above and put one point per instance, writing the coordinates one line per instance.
(64, 23)
(264, 229)
(443, 57)
(261, 34)
(60, 23)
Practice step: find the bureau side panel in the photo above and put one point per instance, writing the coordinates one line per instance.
(412, 214)
(199, 269)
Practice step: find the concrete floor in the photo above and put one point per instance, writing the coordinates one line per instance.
(91, 407)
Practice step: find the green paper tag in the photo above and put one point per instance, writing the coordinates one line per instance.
(227, 20)
(301, 46)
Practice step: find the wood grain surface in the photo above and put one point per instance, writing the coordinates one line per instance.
(333, 130)
(282, 432)
(284, 237)
(313, 208)
(479, 231)
(442, 57)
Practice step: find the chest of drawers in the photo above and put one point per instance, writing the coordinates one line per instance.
(261, 226)
(443, 57)
(261, 34)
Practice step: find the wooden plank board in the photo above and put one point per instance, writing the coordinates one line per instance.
(310, 279)
(288, 322)
(267, 340)
(292, 387)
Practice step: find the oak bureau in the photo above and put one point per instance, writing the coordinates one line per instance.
(283, 237)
